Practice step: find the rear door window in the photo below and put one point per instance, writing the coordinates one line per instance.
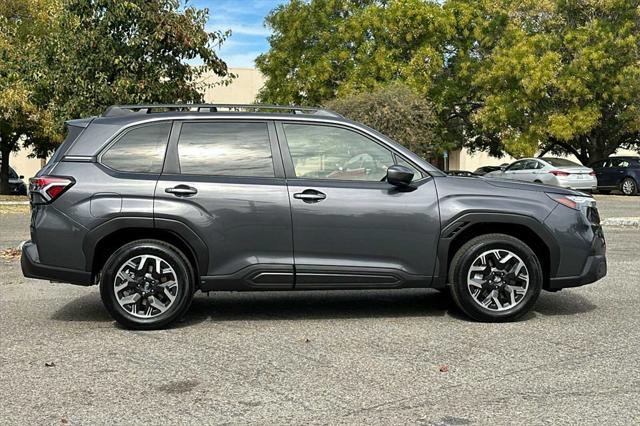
(225, 149)
(139, 150)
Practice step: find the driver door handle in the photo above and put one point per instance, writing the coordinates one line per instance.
(181, 190)
(310, 196)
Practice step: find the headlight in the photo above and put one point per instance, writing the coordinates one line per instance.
(575, 202)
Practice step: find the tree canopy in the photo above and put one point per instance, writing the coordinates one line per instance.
(394, 110)
(514, 76)
(73, 58)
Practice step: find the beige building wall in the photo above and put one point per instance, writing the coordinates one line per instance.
(242, 90)
(23, 165)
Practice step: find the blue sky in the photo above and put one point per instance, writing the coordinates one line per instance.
(245, 19)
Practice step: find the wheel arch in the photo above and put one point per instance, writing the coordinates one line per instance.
(103, 240)
(527, 229)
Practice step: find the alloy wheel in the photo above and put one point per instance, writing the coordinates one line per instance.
(498, 280)
(146, 286)
(628, 186)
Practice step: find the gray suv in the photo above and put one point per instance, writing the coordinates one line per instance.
(156, 202)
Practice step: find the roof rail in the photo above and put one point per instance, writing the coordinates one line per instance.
(116, 110)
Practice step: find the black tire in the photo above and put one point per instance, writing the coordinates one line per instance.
(629, 186)
(185, 286)
(465, 257)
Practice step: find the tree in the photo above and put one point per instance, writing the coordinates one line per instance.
(114, 52)
(394, 110)
(514, 76)
(24, 24)
(564, 76)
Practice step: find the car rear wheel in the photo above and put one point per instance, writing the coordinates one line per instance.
(629, 186)
(147, 284)
(495, 278)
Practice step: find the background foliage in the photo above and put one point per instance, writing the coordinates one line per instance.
(394, 110)
(502, 75)
(73, 58)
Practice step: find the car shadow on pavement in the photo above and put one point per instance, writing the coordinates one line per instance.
(87, 308)
(323, 305)
(566, 302)
(317, 305)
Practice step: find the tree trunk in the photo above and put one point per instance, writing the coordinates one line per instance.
(4, 172)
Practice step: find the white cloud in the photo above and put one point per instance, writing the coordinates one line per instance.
(236, 28)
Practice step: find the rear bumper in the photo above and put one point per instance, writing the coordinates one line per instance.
(595, 268)
(32, 268)
(587, 183)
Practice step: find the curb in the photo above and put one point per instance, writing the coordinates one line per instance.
(621, 221)
(14, 203)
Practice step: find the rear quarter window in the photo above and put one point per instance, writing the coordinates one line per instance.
(139, 150)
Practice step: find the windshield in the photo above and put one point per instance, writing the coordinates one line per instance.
(560, 162)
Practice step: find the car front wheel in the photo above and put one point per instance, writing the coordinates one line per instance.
(495, 278)
(629, 186)
(147, 284)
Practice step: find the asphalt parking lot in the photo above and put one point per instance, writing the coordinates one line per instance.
(374, 357)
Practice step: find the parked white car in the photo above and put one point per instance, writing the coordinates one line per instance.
(550, 171)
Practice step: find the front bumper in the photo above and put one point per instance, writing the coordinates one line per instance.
(32, 268)
(594, 268)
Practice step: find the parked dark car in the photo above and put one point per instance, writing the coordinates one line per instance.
(622, 173)
(481, 171)
(153, 206)
(462, 173)
(16, 184)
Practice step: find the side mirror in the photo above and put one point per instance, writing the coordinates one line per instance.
(399, 175)
(21, 176)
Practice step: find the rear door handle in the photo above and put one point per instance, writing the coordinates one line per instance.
(182, 191)
(310, 196)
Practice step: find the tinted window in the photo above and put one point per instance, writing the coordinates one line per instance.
(225, 149)
(334, 153)
(560, 162)
(518, 165)
(619, 162)
(530, 165)
(598, 164)
(12, 173)
(140, 150)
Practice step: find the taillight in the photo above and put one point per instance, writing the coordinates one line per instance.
(559, 173)
(50, 187)
(572, 201)
(592, 173)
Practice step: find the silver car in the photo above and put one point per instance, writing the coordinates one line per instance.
(550, 171)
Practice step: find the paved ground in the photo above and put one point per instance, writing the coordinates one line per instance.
(325, 357)
(611, 206)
